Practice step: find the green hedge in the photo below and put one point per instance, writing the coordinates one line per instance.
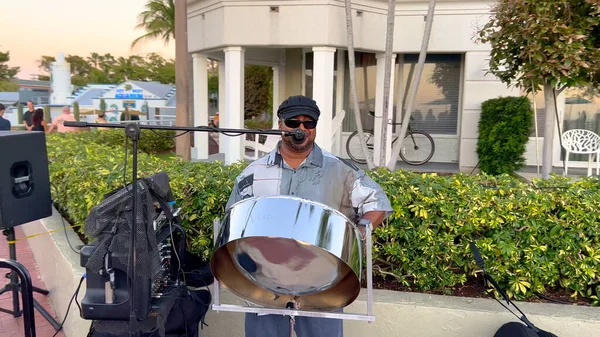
(533, 237)
(151, 141)
(86, 165)
(504, 130)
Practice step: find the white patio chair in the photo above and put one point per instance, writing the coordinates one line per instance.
(581, 141)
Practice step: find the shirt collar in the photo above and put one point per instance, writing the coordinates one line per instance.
(315, 157)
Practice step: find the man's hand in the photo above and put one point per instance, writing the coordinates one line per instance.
(376, 217)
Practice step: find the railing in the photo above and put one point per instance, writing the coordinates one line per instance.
(26, 294)
(160, 120)
(271, 141)
(258, 147)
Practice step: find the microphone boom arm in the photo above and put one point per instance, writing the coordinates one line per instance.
(184, 128)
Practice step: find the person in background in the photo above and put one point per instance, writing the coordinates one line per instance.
(27, 116)
(59, 121)
(101, 119)
(4, 123)
(37, 121)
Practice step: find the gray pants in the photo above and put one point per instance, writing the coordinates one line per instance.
(279, 326)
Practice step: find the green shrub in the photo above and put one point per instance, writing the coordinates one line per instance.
(81, 172)
(84, 168)
(258, 124)
(76, 111)
(504, 130)
(533, 237)
(20, 113)
(151, 141)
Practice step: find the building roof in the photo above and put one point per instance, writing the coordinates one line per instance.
(156, 88)
(172, 101)
(9, 98)
(86, 98)
(31, 83)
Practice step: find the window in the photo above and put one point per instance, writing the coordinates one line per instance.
(436, 105)
(308, 74)
(582, 111)
(366, 75)
(540, 111)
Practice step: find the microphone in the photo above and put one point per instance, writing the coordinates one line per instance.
(298, 136)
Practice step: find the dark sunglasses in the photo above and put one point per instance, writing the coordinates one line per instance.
(294, 123)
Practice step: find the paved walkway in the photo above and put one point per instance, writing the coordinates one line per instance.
(13, 327)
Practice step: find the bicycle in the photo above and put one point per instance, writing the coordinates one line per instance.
(411, 155)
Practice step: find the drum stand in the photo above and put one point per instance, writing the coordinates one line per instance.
(291, 311)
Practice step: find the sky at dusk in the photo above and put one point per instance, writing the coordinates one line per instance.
(31, 28)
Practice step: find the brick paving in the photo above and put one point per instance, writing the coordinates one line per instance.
(13, 327)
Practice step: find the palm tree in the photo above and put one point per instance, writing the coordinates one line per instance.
(353, 93)
(158, 20)
(94, 59)
(389, 44)
(415, 85)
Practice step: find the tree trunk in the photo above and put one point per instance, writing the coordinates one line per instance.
(547, 150)
(182, 116)
(353, 93)
(389, 44)
(414, 87)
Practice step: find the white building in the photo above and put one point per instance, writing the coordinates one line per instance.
(158, 98)
(305, 44)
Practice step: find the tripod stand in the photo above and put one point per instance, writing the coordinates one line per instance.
(14, 286)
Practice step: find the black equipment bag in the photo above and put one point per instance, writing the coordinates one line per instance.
(511, 329)
(517, 329)
(184, 319)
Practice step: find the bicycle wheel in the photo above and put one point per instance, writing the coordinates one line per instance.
(354, 149)
(418, 148)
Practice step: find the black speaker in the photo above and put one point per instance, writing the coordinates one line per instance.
(24, 178)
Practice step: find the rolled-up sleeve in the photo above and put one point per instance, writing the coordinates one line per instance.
(368, 196)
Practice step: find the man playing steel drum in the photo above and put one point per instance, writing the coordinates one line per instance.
(298, 167)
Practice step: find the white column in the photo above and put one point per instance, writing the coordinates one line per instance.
(222, 115)
(339, 97)
(276, 99)
(234, 102)
(323, 94)
(379, 112)
(200, 87)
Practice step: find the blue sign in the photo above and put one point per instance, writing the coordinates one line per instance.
(129, 104)
(131, 94)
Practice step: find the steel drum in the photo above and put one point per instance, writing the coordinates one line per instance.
(277, 250)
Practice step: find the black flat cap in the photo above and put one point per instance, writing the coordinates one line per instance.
(298, 105)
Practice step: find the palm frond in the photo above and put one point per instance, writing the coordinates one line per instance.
(158, 19)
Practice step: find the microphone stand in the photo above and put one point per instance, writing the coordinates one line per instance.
(132, 130)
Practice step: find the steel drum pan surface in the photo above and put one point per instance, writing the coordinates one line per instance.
(278, 249)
